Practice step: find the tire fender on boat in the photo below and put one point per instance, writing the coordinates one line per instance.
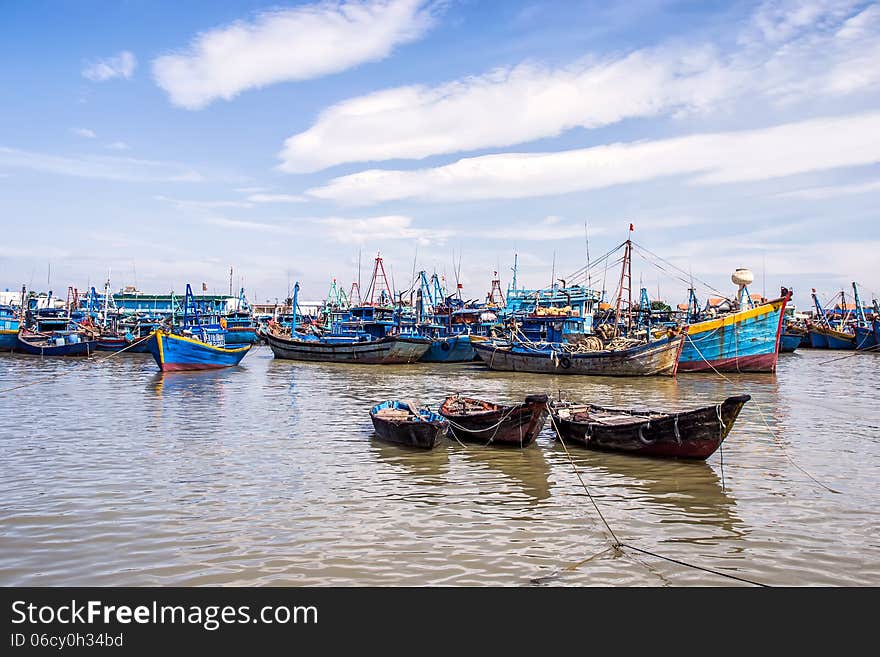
(565, 362)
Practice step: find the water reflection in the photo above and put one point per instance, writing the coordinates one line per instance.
(527, 469)
(692, 490)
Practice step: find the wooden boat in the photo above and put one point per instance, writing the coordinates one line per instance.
(742, 341)
(481, 421)
(174, 353)
(824, 337)
(866, 338)
(383, 351)
(406, 423)
(9, 324)
(788, 342)
(450, 349)
(654, 358)
(59, 345)
(692, 434)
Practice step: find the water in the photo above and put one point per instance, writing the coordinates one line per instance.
(266, 474)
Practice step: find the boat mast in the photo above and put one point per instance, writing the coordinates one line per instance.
(379, 277)
(859, 310)
(625, 280)
(820, 311)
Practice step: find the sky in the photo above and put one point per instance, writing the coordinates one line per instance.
(165, 142)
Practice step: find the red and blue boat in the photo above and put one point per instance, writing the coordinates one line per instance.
(743, 341)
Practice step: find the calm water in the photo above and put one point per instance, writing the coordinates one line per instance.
(266, 474)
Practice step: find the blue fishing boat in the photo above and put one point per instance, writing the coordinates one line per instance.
(450, 349)
(9, 325)
(863, 329)
(823, 335)
(788, 342)
(197, 346)
(745, 340)
(238, 322)
(68, 344)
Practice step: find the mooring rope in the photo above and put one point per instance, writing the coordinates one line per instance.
(767, 424)
(617, 544)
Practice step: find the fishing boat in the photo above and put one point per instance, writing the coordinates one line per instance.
(657, 358)
(10, 323)
(745, 340)
(67, 344)
(450, 349)
(407, 423)
(825, 337)
(476, 420)
(788, 342)
(390, 350)
(357, 335)
(196, 346)
(864, 330)
(694, 434)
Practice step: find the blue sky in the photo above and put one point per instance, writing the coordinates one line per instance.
(166, 141)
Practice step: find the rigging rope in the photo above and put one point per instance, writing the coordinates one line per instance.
(617, 544)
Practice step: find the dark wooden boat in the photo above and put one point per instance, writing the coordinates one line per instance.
(67, 345)
(383, 351)
(406, 423)
(692, 434)
(481, 421)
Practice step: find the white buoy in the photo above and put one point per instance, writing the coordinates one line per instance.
(742, 277)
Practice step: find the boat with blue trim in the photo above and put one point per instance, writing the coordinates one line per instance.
(197, 346)
(10, 323)
(408, 423)
(744, 340)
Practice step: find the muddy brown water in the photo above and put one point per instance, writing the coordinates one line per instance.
(267, 474)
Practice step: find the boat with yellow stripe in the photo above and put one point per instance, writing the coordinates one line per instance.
(743, 341)
(199, 351)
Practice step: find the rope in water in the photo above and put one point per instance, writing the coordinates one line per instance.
(55, 376)
(770, 430)
(617, 544)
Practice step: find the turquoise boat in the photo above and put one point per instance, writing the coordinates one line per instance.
(9, 325)
(742, 341)
(788, 342)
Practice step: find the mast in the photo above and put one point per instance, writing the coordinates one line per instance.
(295, 305)
(21, 310)
(625, 283)
(495, 295)
(859, 310)
(230, 280)
(379, 284)
(513, 282)
(820, 311)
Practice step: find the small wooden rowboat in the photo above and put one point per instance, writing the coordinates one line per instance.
(692, 434)
(481, 421)
(405, 423)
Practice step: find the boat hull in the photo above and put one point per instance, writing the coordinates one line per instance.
(452, 349)
(111, 344)
(744, 341)
(175, 353)
(865, 338)
(657, 358)
(241, 335)
(688, 435)
(788, 342)
(826, 338)
(516, 425)
(42, 348)
(8, 339)
(384, 351)
(424, 435)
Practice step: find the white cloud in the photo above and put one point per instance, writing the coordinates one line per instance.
(344, 230)
(786, 56)
(717, 158)
(288, 44)
(187, 203)
(121, 65)
(102, 167)
(84, 132)
(832, 191)
(117, 146)
(276, 198)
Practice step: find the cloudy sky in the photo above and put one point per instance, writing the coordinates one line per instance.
(166, 141)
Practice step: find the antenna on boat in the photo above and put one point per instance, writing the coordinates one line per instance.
(230, 280)
(553, 273)
(587, 239)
